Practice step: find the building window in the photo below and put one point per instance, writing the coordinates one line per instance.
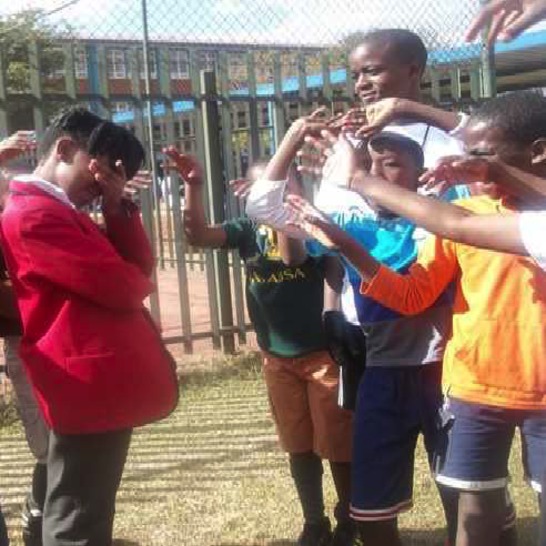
(241, 119)
(55, 67)
(117, 64)
(179, 63)
(153, 64)
(238, 67)
(265, 116)
(80, 63)
(207, 60)
(186, 127)
(120, 107)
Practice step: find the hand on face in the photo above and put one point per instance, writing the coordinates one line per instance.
(187, 166)
(111, 181)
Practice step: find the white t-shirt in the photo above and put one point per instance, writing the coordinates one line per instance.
(434, 142)
(532, 227)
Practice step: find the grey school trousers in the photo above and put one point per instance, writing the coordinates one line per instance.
(83, 475)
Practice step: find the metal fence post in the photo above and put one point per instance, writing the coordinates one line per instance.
(154, 298)
(489, 81)
(225, 112)
(36, 86)
(216, 190)
(3, 100)
(180, 258)
(150, 113)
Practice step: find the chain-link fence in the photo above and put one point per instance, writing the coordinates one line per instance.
(139, 63)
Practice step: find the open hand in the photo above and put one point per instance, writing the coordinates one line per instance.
(187, 166)
(335, 156)
(507, 19)
(378, 116)
(453, 170)
(240, 187)
(17, 144)
(141, 181)
(308, 219)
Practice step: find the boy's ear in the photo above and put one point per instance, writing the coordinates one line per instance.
(538, 152)
(416, 72)
(65, 148)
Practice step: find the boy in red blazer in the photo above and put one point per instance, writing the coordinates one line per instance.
(94, 357)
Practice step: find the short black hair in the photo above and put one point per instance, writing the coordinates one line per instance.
(99, 137)
(400, 142)
(406, 46)
(520, 115)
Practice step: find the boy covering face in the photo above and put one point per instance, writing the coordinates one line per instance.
(93, 355)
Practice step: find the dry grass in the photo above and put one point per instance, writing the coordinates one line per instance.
(212, 475)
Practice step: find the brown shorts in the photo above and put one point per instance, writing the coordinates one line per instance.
(303, 396)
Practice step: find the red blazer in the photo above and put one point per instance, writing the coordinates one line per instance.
(94, 357)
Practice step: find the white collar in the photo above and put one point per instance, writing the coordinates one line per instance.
(48, 187)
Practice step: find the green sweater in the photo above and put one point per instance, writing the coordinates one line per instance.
(284, 303)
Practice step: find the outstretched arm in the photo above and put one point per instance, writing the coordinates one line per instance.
(198, 231)
(390, 110)
(493, 232)
(265, 202)
(409, 294)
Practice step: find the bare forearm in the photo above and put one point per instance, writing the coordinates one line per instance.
(333, 284)
(198, 231)
(279, 165)
(355, 253)
(435, 216)
(524, 184)
(493, 232)
(443, 119)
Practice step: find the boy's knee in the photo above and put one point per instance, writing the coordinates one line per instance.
(482, 513)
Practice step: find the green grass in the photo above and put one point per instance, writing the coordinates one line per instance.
(212, 474)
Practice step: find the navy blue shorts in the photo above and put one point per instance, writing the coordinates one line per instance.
(394, 405)
(479, 439)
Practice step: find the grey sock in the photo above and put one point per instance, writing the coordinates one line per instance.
(306, 470)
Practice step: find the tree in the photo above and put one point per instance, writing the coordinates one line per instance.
(17, 33)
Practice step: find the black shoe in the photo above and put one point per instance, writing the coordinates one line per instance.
(344, 534)
(316, 534)
(32, 524)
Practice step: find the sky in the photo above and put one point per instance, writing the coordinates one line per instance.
(291, 22)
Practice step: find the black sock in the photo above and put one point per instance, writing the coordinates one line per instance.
(39, 485)
(341, 474)
(306, 470)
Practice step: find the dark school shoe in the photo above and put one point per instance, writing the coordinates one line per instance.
(316, 534)
(32, 524)
(344, 534)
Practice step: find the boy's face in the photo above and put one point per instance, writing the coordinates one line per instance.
(394, 164)
(378, 75)
(482, 138)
